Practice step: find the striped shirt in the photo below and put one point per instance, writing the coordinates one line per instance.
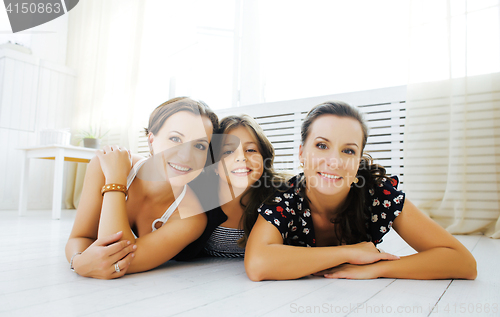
(224, 243)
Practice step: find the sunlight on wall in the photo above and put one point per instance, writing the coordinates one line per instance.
(228, 55)
(323, 47)
(468, 35)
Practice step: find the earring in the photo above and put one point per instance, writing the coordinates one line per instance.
(356, 180)
(216, 172)
(301, 164)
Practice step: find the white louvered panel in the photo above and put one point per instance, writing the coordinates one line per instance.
(385, 123)
(386, 130)
(385, 117)
(382, 107)
(370, 148)
(275, 118)
(284, 138)
(387, 155)
(142, 144)
(278, 125)
(385, 138)
(284, 166)
(283, 131)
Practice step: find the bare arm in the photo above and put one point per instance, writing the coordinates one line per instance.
(98, 255)
(440, 255)
(156, 248)
(101, 218)
(115, 165)
(266, 258)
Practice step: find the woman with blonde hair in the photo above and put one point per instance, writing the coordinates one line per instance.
(137, 213)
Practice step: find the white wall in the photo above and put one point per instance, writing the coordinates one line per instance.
(36, 92)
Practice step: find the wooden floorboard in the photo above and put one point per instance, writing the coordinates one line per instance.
(35, 280)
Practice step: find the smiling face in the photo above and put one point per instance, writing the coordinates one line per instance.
(181, 146)
(241, 160)
(331, 154)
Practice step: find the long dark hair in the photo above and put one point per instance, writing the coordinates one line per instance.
(353, 217)
(266, 185)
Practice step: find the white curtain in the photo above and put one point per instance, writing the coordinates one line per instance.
(452, 133)
(104, 42)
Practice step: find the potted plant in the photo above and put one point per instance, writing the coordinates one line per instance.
(92, 137)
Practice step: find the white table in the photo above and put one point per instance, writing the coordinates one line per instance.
(59, 153)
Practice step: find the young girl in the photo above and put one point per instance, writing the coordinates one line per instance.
(153, 216)
(243, 177)
(339, 208)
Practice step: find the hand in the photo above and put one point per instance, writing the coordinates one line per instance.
(116, 163)
(98, 260)
(351, 271)
(366, 252)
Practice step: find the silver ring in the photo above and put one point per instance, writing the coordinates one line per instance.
(117, 268)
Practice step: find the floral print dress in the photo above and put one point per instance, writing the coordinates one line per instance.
(292, 217)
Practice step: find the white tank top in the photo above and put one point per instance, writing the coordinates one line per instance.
(170, 210)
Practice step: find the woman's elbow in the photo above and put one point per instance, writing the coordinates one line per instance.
(255, 268)
(468, 266)
(471, 273)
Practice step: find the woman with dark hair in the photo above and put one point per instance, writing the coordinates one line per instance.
(239, 182)
(334, 213)
(132, 207)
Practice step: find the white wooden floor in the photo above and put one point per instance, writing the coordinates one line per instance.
(35, 280)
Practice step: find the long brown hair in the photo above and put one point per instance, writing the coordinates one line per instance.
(355, 212)
(266, 185)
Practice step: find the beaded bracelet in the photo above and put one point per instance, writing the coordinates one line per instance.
(114, 187)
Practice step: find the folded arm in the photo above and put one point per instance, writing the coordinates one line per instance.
(440, 255)
(102, 233)
(266, 258)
